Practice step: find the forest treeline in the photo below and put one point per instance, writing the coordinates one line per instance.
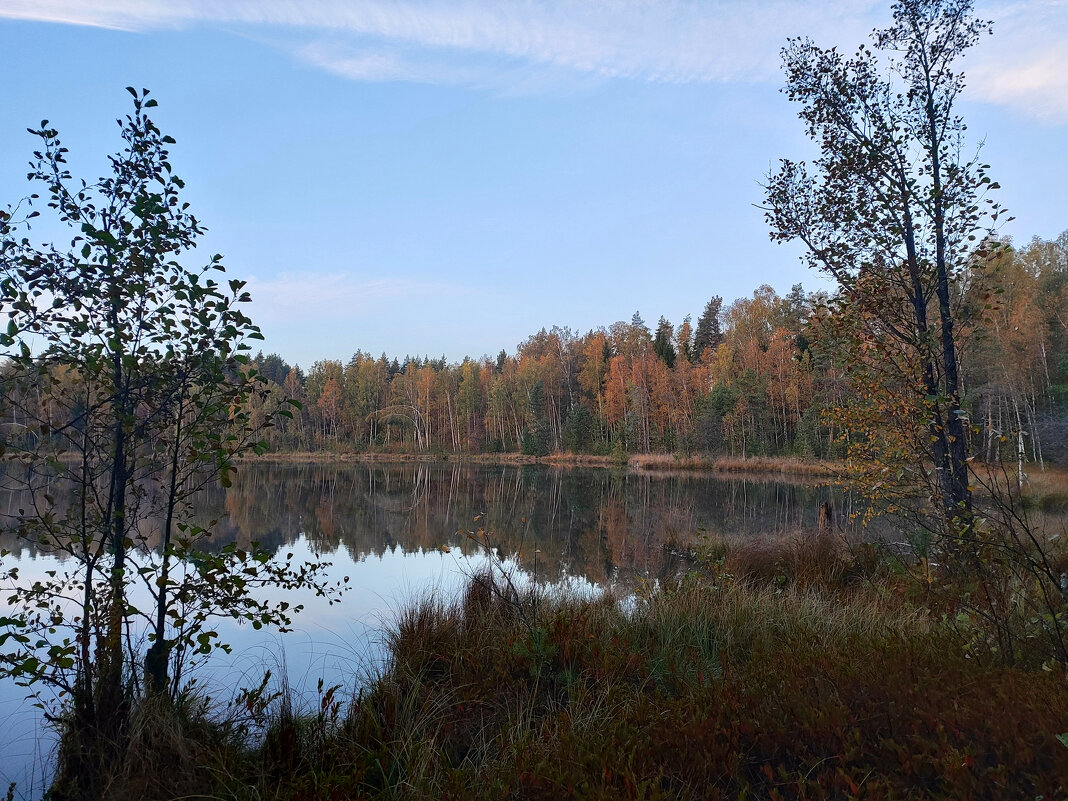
(752, 377)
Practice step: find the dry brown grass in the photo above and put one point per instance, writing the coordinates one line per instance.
(802, 559)
(1053, 478)
(731, 684)
(331, 457)
(753, 465)
(1049, 489)
(723, 690)
(171, 751)
(786, 466)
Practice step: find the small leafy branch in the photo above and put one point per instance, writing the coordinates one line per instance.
(126, 388)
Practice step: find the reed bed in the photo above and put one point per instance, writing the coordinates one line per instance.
(789, 668)
(787, 466)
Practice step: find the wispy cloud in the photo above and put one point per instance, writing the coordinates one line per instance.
(383, 63)
(661, 40)
(1025, 65)
(476, 41)
(320, 297)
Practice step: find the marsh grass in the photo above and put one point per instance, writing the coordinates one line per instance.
(786, 466)
(172, 750)
(705, 690)
(792, 668)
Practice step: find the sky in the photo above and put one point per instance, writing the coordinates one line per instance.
(447, 177)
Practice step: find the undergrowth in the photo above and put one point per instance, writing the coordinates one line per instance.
(794, 670)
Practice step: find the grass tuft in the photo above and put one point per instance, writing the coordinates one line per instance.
(789, 669)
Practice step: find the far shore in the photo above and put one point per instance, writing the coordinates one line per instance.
(648, 462)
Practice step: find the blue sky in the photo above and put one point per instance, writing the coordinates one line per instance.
(448, 177)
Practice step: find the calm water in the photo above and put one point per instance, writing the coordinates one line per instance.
(594, 524)
(383, 525)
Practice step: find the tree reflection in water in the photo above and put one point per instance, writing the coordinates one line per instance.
(585, 522)
(594, 523)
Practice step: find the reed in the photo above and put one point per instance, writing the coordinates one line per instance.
(787, 466)
(794, 667)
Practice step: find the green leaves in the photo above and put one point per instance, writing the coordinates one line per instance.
(12, 332)
(127, 388)
(14, 624)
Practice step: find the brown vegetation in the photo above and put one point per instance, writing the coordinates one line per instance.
(791, 668)
(759, 376)
(787, 466)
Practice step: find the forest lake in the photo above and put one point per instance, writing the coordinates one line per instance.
(402, 530)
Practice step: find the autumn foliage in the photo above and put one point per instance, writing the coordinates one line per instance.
(776, 383)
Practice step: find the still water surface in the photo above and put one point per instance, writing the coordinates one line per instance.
(384, 525)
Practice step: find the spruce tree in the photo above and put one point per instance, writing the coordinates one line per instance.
(662, 342)
(709, 334)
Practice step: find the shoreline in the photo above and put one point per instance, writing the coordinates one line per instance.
(649, 462)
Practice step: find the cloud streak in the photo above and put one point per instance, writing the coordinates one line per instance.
(1025, 65)
(320, 297)
(474, 42)
(660, 40)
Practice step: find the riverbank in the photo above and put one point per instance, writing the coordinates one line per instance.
(788, 466)
(786, 669)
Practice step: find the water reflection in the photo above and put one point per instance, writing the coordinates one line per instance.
(382, 523)
(585, 522)
(589, 523)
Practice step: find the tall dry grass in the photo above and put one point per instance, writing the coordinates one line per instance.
(816, 686)
(788, 668)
